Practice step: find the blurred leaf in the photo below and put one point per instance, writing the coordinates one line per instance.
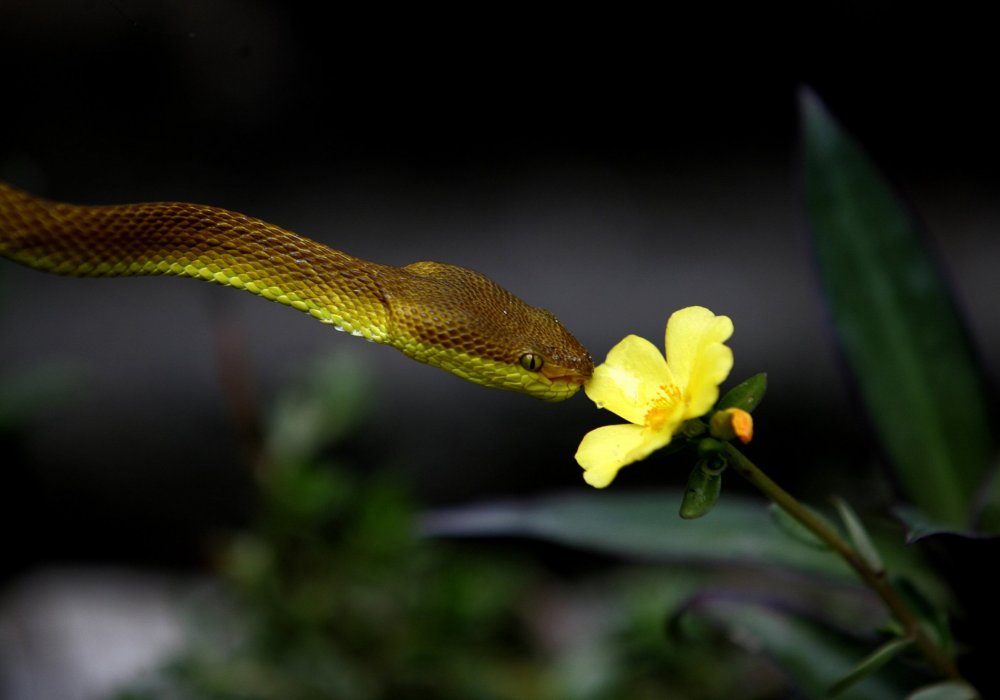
(747, 394)
(645, 526)
(919, 525)
(703, 488)
(36, 389)
(814, 656)
(326, 403)
(897, 325)
(988, 516)
(640, 525)
(796, 530)
(870, 664)
(931, 613)
(950, 690)
(858, 535)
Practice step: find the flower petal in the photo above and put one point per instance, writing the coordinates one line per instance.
(697, 356)
(603, 451)
(628, 380)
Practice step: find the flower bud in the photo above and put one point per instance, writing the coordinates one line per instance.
(732, 423)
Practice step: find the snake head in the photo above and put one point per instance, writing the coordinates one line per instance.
(556, 365)
(463, 322)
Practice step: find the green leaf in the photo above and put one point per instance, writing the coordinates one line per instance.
(932, 613)
(747, 394)
(702, 492)
(858, 535)
(813, 655)
(870, 664)
(796, 530)
(643, 526)
(25, 395)
(322, 406)
(919, 525)
(897, 325)
(949, 690)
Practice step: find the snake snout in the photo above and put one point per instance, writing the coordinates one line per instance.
(570, 375)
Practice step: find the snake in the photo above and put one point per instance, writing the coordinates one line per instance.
(439, 314)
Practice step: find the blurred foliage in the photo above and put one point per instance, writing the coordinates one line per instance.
(335, 594)
(740, 532)
(28, 393)
(336, 598)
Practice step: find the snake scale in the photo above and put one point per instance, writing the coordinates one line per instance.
(443, 315)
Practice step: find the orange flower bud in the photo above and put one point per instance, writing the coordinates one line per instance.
(732, 423)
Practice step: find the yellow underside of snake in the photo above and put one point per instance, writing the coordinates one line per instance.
(443, 315)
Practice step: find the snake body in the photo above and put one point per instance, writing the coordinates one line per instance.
(443, 315)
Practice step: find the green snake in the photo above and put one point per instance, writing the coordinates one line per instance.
(443, 315)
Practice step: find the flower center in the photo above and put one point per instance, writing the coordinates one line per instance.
(662, 407)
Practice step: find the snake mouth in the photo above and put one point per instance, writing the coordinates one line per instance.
(567, 375)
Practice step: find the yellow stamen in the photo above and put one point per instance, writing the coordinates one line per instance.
(662, 407)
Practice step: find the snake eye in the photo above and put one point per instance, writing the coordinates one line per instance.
(531, 362)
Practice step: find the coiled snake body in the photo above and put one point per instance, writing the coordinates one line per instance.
(446, 316)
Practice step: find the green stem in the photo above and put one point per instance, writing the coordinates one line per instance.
(876, 579)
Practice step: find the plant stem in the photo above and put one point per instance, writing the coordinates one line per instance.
(876, 579)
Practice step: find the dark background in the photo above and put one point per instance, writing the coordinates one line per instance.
(610, 168)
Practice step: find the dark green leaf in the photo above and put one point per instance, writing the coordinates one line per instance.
(813, 655)
(27, 394)
(932, 613)
(897, 325)
(642, 526)
(645, 526)
(796, 530)
(702, 492)
(870, 664)
(858, 535)
(919, 525)
(747, 394)
(325, 404)
(949, 690)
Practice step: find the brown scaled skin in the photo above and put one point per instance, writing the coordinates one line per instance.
(443, 315)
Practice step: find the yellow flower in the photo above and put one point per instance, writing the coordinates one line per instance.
(654, 394)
